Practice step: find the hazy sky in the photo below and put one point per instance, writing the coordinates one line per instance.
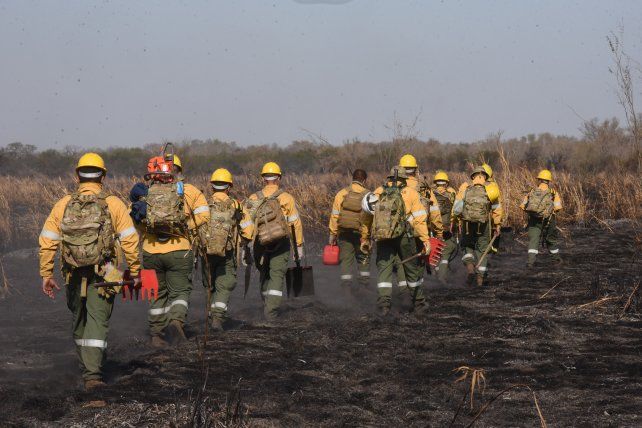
(124, 73)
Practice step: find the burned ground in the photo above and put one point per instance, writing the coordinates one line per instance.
(331, 361)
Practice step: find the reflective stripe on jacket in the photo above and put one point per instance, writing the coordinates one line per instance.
(51, 235)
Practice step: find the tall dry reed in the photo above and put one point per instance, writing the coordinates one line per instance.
(587, 199)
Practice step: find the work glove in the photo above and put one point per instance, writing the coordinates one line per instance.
(49, 286)
(365, 246)
(112, 274)
(332, 240)
(246, 256)
(299, 251)
(426, 249)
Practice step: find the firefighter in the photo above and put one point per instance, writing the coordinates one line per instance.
(276, 219)
(397, 216)
(174, 212)
(89, 225)
(445, 196)
(345, 227)
(479, 211)
(436, 226)
(542, 204)
(229, 229)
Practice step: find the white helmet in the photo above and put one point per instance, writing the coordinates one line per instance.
(368, 202)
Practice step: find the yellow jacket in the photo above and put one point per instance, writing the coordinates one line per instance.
(496, 209)
(415, 212)
(338, 201)
(288, 207)
(198, 213)
(50, 237)
(436, 224)
(557, 201)
(246, 225)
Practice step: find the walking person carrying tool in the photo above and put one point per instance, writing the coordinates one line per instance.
(478, 209)
(542, 204)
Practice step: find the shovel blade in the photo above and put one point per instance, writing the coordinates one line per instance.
(300, 281)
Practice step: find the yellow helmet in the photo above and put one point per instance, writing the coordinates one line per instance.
(545, 175)
(177, 162)
(441, 176)
(492, 190)
(221, 175)
(408, 161)
(271, 168)
(488, 169)
(91, 159)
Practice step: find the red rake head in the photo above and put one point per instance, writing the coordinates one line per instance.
(148, 289)
(436, 248)
(149, 284)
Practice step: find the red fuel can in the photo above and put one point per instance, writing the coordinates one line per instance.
(331, 255)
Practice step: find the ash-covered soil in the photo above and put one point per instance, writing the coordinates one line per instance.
(331, 361)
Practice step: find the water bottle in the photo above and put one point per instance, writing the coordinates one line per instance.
(180, 188)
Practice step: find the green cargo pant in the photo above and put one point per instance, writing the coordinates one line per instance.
(535, 227)
(449, 249)
(387, 251)
(90, 322)
(272, 264)
(475, 239)
(174, 272)
(223, 278)
(350, 251)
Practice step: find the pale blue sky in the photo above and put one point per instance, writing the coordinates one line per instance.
(127, 73)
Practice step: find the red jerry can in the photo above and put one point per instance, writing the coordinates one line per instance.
(331, 255)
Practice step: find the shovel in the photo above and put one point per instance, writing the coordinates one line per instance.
(299, 279)
(149, 286)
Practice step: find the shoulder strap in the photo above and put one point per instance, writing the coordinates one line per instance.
(260, 195)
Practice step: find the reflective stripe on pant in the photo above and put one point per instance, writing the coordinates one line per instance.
(535, 227)
(475, 240)
(398, 249)
(449, 249)
(223, 276)
(174, 273)
(349, 252)
(90, 323)
(272, 265)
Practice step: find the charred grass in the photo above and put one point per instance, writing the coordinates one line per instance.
(536, 361)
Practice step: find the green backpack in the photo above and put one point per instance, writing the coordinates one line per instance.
(476, 205)
(165, 210)
(87, 231)
(350, 213)
(218, 235)
(389, 214)
(270, 225)
(540, 203)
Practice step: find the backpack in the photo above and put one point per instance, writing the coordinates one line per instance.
(269, 221)
(389, 215)
(540, 203)
(165, 209)
(219, 233)
(445, 202)
(476, 205)
(87, 231)
(350, 213)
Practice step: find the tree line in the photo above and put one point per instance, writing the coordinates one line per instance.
(603, 146)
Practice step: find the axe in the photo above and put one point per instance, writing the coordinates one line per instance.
(148, 281)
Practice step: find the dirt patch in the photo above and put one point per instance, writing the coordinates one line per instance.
(331, 361)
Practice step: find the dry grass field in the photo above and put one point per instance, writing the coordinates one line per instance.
(589, 199)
